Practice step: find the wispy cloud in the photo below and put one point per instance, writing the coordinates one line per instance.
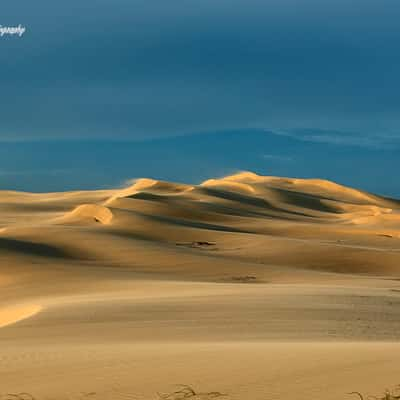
(341, 138)
(28, 172)
(276, 157)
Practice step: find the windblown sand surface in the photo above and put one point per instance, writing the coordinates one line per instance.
(256, 287)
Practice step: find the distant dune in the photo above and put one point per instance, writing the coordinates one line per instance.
(249, 285)
(333, 227)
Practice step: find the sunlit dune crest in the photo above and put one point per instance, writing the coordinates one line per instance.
(89, 213)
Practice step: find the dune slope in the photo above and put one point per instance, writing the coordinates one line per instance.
(251, 285)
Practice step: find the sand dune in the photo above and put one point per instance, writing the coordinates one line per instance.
(87, 213)
(250, 285)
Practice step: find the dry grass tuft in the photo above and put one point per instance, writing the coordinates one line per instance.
(388, 395)
(17, 396)
(186, 392)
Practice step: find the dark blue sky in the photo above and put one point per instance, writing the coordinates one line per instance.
(316, 71)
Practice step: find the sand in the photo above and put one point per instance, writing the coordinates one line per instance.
(255, 287)
(11, 315)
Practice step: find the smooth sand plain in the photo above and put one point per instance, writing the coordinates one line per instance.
(255, 287)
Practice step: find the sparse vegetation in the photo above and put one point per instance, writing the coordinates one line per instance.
(186, 392)
(244, 279)
(17, 396)
(197, 245)
(388, 395)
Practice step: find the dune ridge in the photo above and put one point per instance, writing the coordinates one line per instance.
(247, 216)
(88, 213)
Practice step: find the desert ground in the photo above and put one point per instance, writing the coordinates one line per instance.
(250, 286)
